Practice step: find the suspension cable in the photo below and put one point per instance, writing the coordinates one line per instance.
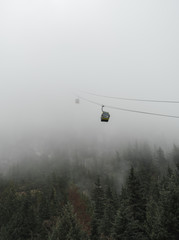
(132, 99)
(129, 110)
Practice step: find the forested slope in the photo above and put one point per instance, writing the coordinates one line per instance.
(129, 195)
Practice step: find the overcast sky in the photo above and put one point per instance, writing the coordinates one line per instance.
(52, 48)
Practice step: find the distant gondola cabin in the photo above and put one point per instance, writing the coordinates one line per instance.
(77, 100)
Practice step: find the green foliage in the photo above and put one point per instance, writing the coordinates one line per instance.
(129, 223)
(109, 212)
(60, 199)
(68, 227)
(98, 204)
(154, 227)
(98, 199)
(169, 200)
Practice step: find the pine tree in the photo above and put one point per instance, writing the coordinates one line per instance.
(129, 223)
(161, 161)
(23, 222)
(98, 202)
(169, 200)
(176, 156)
(109, 213)
(154, 228)
(135, 199)
(8, 203)
(68, 227)
(95, 235)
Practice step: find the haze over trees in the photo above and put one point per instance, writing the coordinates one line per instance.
(133, 194)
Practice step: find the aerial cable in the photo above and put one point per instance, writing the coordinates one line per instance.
(87, 100)
(142, 112)
(129, 110)
(132, 99)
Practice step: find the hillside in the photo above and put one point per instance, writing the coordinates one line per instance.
(129, 195)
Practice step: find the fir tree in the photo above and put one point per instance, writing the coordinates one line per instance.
(169, 200)
(23, 222)
(94, 229)
(109, 213)
(98, 202)
(129, 223)
(67, 227)
(154, 228)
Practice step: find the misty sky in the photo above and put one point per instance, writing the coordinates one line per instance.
(50, 49)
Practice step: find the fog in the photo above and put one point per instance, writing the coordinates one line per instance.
(50, 51)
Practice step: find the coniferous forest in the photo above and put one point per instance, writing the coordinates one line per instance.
(128, 195)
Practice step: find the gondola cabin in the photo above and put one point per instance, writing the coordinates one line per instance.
(105, 116)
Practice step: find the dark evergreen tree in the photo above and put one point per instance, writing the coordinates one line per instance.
(8, 203)
(161, 161)
(95, 234)
(68, 227)
(126, 226)
(109, 213)
(23, 222)
(176, 156)
(154, 228)
(169, 200)
(135, 199)
(130, 220)
(98, 202)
